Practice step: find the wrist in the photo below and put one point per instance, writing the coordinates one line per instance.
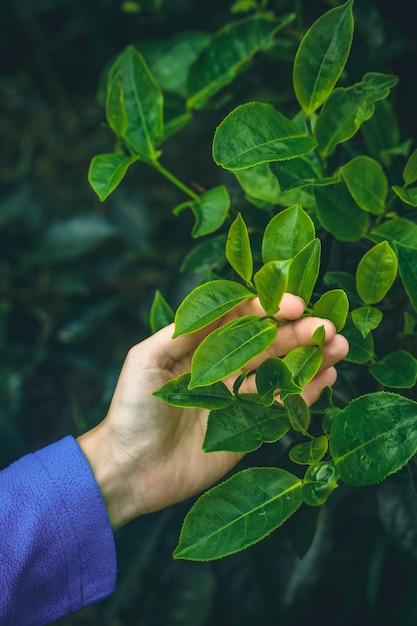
(111, 475)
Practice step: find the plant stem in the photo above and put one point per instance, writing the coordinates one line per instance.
(174, 180)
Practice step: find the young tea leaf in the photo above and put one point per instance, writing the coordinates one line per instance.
(373, 436)
(210, 210)
(106, 171)
(410, 169)
(207, 303)
(407, 264)
(398, 230)
(239, 512)
(229, 348)
(376, 273)
(366, 318)
(304, 271)
(319, 482)
(271, 284)
(161, 313)
(212, 397)
(238, 250)
(255, 133)
(287, 234)
(298, 413)
(334, 306)
(143, 103)
(322, 55)
(304, 362)
(244, 427)
(361, 349)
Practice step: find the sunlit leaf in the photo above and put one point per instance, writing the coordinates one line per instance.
(207, 303)
(334, 306)
(410, 169)
(304, 362)
(210, 210)
(271, 284)
(238, 250)
(304, 271)
(397, 230)
(255, 133)
(287, 234)
(322, 55)
(366, 319)
(229, 348)
(161, 313)
(376, 273)
(373, 437)
(107, 171)
(239, 512)
(259, 182)
(142, 101)
(298, 413)
(408, 196)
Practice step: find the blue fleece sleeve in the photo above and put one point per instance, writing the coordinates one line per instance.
(57, 552)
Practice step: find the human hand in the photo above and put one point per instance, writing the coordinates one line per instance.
(146, 454)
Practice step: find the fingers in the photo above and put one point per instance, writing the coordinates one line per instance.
(291, 307)
(325, 378)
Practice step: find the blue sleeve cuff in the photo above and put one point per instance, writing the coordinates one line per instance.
(57, 551)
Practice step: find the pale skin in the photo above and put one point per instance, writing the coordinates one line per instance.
(147, 455)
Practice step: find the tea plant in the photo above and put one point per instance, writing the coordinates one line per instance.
(330, 201)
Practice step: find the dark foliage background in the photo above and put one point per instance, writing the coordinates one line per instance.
(77, 278)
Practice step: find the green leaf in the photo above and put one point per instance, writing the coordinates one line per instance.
(334, 306)
(376, 273)
(271, 284)
(397, 369)
(298, 413)
(407, 265)
(255, 133)
(238, 250)
(244, 427)
(304, 363)
(410, 169)
(212, 397)
(319, 482)
(161, 314)
(397, 230)
(367, 183)
(322, 55)
(300, 172)
(259, 182)
(142, 102)
(208, 303)
(319, 337)
(345, 281)
(373, 437)
(221, 57)
(273, 375)
(171, 64)
(361, 349)
(310, 451)
(339, 214)
(106, 171)
(229, 348)
(239, 512)
(210, 210)
(381, 132)
(347, 109)
(366, 318)
(206, 256)
(304, 271)
(408, 196)
(287, 234)
(115, 107)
